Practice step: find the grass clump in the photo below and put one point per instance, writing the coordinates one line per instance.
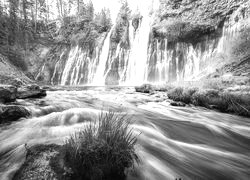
(103, 150)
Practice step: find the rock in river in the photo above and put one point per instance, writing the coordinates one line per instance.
(12, 113)
(7, 93)
(30, 91)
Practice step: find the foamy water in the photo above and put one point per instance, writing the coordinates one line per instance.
(175, 142)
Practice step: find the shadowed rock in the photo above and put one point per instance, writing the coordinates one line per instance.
(7, 93)
(180, 104)
(12, 113)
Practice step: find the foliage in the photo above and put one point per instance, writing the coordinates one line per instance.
(124, 11)
(102, 150)
(145, 88)
(121, 31)
(103, 20)
(211, 98)
(181, 94)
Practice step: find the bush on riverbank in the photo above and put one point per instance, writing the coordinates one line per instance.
(102, 150)
(145, 88)
(210, 98)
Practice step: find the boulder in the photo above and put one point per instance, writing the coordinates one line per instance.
(180, 104)
(30, 91)
(12, 113)
(43, 162)
(7, 93)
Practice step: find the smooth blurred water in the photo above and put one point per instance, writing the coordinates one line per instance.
(175, 142)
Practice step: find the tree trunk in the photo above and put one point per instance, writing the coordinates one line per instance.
(35, 16)
(25, 24)
(78, 7)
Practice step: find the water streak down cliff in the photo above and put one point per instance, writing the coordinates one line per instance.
(172, 49)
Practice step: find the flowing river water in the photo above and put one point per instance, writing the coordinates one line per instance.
(175, 142)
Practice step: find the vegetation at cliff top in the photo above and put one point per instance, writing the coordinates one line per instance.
(26, 23)
(102, 150)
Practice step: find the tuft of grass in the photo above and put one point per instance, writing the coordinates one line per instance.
(103, 150)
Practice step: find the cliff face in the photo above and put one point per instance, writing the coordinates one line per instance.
(192, 38)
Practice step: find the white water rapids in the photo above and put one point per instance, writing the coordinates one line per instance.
(175, 142)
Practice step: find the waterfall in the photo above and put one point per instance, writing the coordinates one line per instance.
(137, 61)
(99, 76)
(146, 59)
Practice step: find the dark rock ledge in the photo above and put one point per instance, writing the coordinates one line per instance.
(8, 94)
(12, 113)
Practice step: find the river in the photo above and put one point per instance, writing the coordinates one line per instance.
(175, 142)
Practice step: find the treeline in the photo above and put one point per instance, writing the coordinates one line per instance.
(23, 21)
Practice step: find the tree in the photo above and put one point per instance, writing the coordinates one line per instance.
(103, 19)
(125, 11)
(90, 10)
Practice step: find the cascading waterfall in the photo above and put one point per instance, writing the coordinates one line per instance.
(146, 60)
(182, 61)
(137, 61)
(99, 76)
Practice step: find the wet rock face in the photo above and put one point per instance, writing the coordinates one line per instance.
(12, 113)
(136, 21)
(190, 20)
(7, 93)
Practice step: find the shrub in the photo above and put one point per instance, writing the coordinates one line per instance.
(145, 88)
(102, 150)
(211, 98)
(239, 104)
(187, 95)
(176, 94)
(181, 94)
